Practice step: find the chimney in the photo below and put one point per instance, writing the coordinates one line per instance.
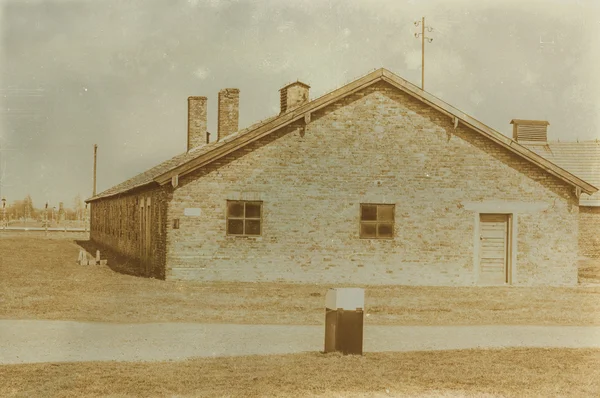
(196, 135)
(530, 131)
(293, 95)
(229, 112)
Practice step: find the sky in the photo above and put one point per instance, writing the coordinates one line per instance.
(117, 73)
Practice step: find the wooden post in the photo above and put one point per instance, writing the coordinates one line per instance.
(83, 259)
(95, 156)
(423, 53)
(46, 218)
(423, 38)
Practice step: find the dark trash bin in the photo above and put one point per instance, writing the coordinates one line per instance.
(344, 318)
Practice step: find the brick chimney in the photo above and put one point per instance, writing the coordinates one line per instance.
(530, 131)
(196, 135)
(293, 95)
(229, 112)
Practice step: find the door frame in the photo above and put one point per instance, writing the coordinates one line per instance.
(511, 246)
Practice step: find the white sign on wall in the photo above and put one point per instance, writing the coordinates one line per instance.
(193, 212)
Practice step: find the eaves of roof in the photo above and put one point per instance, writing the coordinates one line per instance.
(212, 152)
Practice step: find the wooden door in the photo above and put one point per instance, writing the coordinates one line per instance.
(494, 249)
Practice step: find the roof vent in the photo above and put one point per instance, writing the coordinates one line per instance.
(293, 95)
(530, 131)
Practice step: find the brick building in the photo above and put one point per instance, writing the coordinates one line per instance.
(582, 158)
(375, 182)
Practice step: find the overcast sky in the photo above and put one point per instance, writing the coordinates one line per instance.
(118, 73)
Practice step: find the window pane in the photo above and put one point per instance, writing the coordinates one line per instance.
(368, 212)
(252, 227)
(368, 230)
(385, 230)
(235, 227)
(235, 209)
(252, 210)
(385, 213)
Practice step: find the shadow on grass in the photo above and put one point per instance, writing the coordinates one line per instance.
(116, 262)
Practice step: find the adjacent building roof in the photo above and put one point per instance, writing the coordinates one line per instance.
(190, 161)
(580, 158)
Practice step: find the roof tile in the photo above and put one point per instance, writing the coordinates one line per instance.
(579, 158)
(147, 177)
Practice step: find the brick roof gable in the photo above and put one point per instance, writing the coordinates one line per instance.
(190, 161)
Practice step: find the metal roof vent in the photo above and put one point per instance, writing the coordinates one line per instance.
(530, 131)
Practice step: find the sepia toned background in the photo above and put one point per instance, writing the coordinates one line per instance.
(118, 73)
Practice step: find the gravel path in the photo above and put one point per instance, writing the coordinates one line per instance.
(30, 341)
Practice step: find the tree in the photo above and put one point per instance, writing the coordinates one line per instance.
(78, 207)
(28, 210)
(15, 210)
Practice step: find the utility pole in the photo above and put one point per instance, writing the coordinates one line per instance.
(95, 156)
(4, 223)
(423, 38)
(46, 216)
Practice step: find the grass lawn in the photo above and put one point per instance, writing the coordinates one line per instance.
(40, 279)
(481, 373)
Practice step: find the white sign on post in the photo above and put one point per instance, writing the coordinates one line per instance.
(349, 298)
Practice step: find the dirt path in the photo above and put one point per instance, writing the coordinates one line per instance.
(30, 341)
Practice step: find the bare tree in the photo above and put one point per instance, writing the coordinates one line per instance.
(28, 210)
(78, 207)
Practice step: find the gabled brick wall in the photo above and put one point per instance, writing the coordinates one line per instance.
(378, 145)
